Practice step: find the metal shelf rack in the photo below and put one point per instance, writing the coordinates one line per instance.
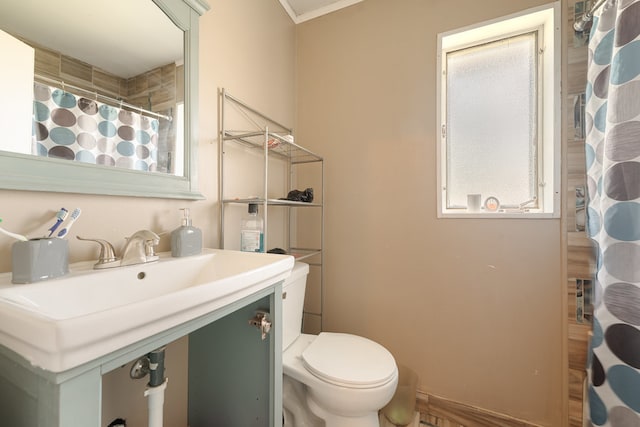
(270, 139)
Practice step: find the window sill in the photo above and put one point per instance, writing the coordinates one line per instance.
(498, 215)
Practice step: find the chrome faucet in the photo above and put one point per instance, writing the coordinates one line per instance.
(140, 248)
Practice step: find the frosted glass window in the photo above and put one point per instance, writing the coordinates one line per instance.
(499, 117)
(491, 122)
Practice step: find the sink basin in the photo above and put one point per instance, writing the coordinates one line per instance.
(62, 323)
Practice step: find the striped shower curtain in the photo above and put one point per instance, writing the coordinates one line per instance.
(613, 175)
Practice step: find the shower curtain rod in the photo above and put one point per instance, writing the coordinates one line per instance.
(117, 102)
(581, 23)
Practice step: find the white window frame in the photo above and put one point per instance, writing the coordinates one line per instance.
(546, 20)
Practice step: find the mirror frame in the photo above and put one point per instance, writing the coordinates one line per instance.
(31, 173)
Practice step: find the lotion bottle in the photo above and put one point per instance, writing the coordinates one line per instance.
(252, 231)
(186, 240)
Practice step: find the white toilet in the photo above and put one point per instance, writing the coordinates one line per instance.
(330, 379)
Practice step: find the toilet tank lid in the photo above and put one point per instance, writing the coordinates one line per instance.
(349, 360)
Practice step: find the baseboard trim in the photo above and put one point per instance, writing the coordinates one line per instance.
(463, 414)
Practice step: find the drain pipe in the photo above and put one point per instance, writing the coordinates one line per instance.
(152, 364)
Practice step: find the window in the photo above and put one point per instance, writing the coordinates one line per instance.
(499, 117)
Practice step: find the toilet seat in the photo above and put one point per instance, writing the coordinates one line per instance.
(349, 361)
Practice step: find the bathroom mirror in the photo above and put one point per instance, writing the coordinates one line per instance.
(177, 18)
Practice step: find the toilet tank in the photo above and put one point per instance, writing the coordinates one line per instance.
(293, 290)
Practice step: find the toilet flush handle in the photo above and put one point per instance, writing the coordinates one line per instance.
(262, 322)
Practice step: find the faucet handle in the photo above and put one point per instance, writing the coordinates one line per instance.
(150, 250)
(107, 257)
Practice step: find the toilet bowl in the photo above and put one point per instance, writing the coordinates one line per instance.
(330, 379)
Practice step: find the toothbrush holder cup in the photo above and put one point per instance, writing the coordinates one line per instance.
(39, 259)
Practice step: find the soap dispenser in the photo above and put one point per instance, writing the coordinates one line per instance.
(186, 240)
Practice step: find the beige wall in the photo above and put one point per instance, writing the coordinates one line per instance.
(472, 305)
(246, 46)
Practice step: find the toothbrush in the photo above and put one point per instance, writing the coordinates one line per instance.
(74, 216)
(60, 216)
(14, 235)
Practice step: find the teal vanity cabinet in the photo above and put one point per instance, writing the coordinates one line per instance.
(235, 377)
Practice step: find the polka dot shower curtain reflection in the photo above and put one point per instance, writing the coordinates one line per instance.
(613, 175)
(68, 126)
